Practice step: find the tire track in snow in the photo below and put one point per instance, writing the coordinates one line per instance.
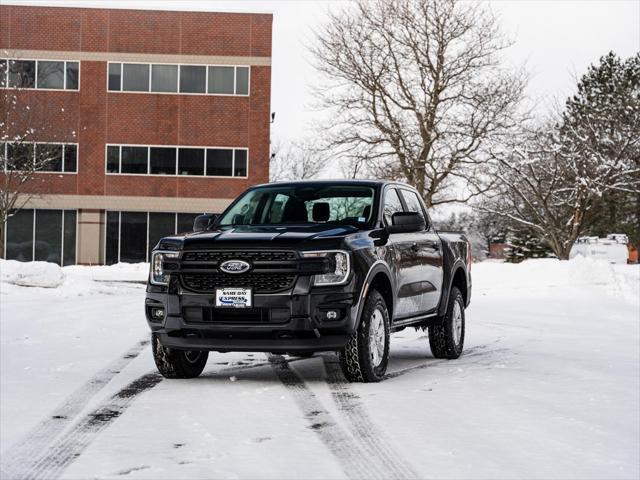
(479, 350)
(43, 434)
(53, 460)
(390, 462)
(355, 462)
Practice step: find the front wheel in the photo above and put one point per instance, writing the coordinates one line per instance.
(447, 339)
(174, 363)
(365, 357)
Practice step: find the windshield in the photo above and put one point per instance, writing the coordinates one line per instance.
(301, 204)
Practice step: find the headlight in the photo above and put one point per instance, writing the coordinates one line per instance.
(339, 263)
(157, 276)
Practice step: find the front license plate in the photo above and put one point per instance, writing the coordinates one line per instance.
(233, 297)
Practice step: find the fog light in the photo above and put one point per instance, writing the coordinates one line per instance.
(157, 313)
(331, 314)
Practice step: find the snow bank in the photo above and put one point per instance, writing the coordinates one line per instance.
(70, 281)
(551, 275)
(120, 272)
(31, 274)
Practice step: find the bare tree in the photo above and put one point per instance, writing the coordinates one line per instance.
(22, 156)
(295, 161)
(417, 91)
(549, 186)
(557, 180)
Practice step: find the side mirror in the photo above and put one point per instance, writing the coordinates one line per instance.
(203, 222)
(405, 222)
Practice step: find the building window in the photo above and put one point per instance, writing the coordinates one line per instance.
(240, 163)
(242, 80)
(115, 77)
(189, 79)
(219, 162)
(162, 161)
(3, 73)
(72, 76)
(221, 80)
(46, 235)
(134, 160)
(51, 75)
(130, 236)
(164, 78)
(169, 160)
(46, 157)
(43, 74)
(190, 161)
(22, 74)
(135, 77)
(193, 79)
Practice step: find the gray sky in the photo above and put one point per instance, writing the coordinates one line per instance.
(555, 39)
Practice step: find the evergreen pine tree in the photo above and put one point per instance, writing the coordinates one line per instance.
(603, 120)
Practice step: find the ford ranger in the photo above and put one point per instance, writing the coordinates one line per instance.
(301, 267)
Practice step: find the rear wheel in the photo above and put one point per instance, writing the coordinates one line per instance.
(365, 357)
(174, 363)
(447, 339)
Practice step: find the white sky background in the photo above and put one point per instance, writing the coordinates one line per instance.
(555, 39)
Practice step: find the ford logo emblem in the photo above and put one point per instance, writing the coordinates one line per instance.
(235, 266)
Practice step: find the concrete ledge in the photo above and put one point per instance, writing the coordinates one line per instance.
(138, 57)
(130, 203)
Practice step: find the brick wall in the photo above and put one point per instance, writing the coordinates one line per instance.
(93, 117)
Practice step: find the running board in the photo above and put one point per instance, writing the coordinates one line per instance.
(412, 320)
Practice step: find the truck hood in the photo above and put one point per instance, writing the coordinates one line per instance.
(262, 236)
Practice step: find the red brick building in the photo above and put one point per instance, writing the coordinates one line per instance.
(157, 115)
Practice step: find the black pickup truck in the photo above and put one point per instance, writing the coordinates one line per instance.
(301, 267)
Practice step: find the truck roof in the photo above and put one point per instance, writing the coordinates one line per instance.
(340, 181)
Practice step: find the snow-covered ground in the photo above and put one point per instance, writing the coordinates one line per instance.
(548, 387)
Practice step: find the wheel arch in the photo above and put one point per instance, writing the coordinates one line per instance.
(457, 279)
(378, 278)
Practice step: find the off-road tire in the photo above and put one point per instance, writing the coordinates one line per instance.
(441, 337)
(174, 363)
(355, 358)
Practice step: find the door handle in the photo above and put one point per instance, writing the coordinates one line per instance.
(415, 247)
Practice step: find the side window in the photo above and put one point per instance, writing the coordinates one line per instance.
(392, 204)
(414, 204)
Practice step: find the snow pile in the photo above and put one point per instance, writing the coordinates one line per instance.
(31, 274)
(71, 281)
(550, 276)
(120, 272)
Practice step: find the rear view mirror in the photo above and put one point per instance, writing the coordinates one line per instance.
(203, 222)
(405, 222)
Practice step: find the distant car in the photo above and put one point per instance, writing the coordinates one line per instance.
(613, 249)
(303, 267)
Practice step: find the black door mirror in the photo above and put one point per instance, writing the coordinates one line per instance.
(203, 222)
(405, 222)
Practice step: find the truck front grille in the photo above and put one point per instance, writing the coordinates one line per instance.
(259, 282)
(218, 256)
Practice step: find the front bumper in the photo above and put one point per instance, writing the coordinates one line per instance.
(292, 321)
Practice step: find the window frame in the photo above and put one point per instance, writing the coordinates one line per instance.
(178, 92)
(35, 84)
(55, 172)
(427, 220)
(176, 147)
(383, 202)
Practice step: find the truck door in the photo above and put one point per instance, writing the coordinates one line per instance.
(426, 250)
(403, 260)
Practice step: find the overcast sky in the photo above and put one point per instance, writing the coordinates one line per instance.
(555, 39)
